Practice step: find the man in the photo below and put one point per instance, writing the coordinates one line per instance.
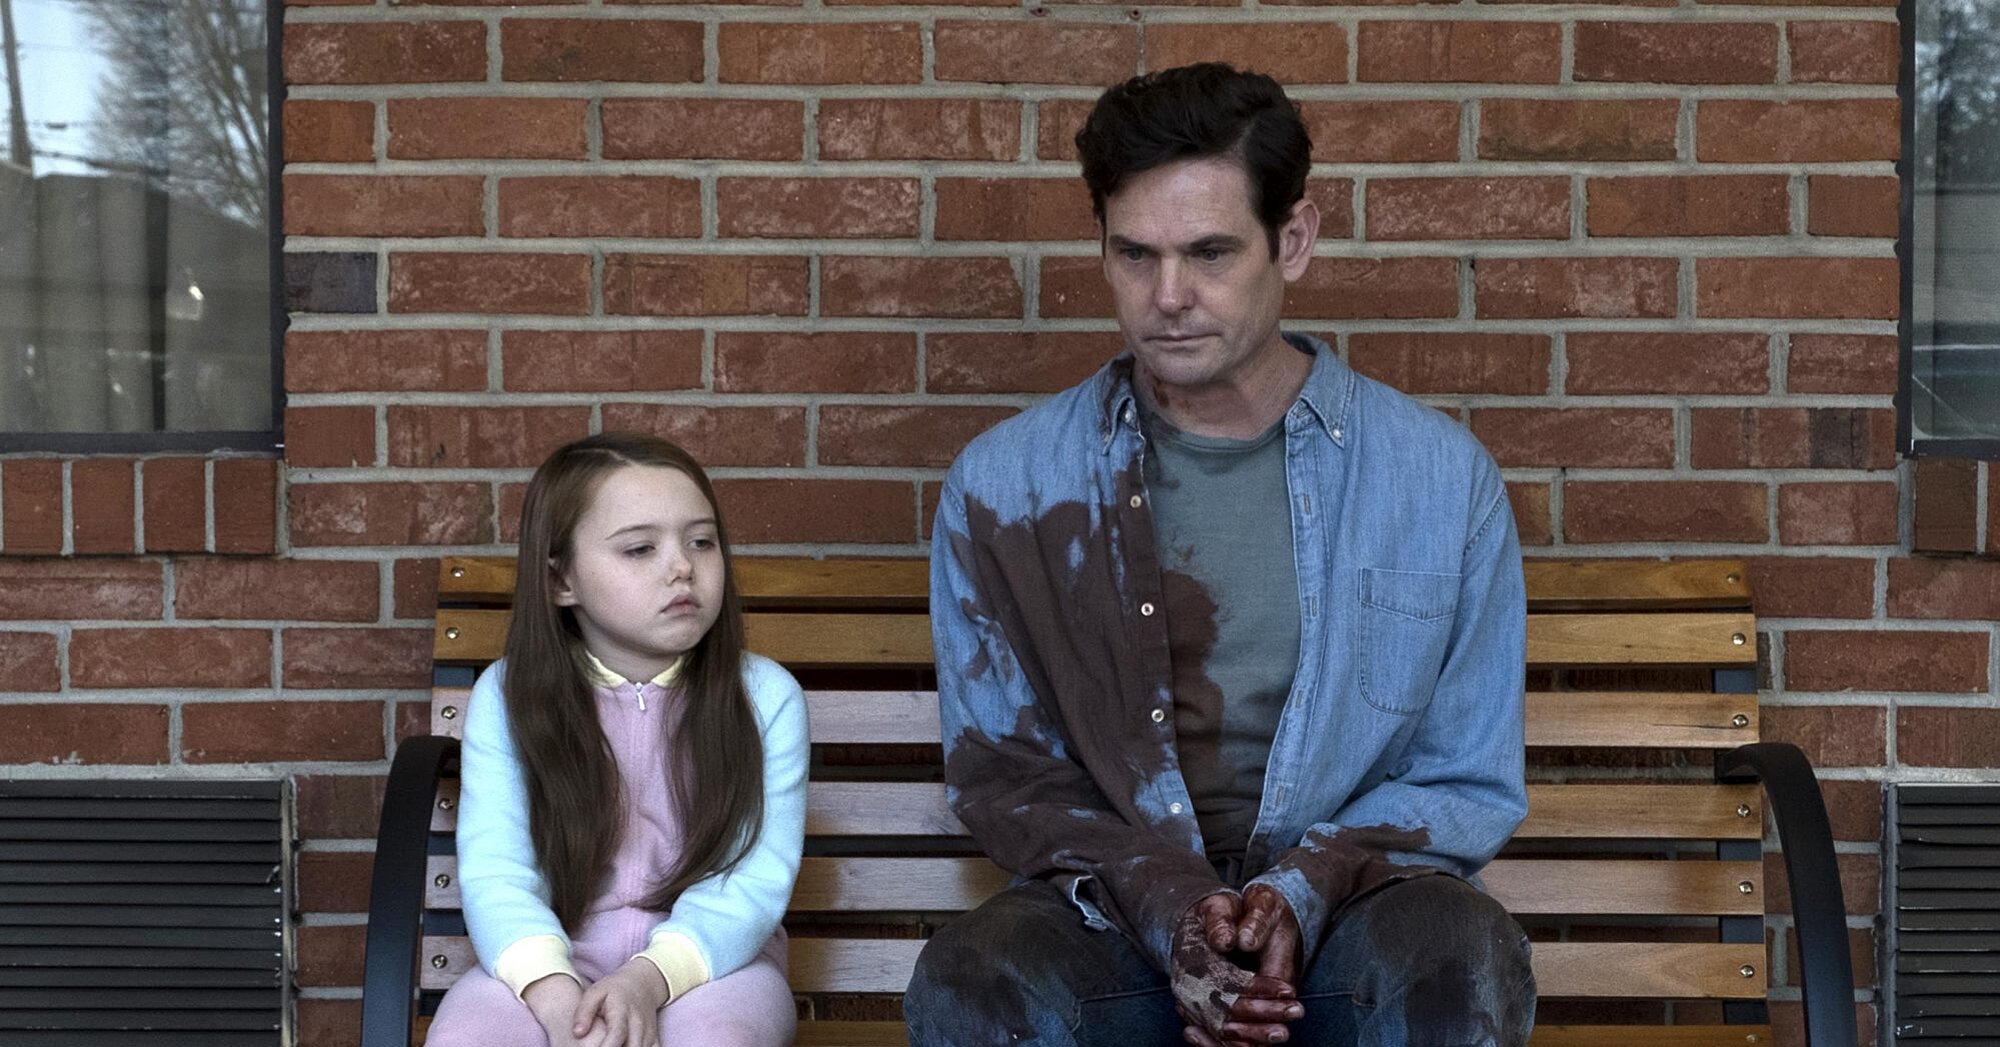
(1230, 649)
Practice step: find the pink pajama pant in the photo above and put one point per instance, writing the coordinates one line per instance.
(751, 1007)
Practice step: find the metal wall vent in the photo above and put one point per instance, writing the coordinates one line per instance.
(143, 914)
(1944, 915)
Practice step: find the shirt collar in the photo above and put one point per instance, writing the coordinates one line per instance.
(602, 675)
(1328, 392)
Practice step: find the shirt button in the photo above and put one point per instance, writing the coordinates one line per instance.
(1146, 610)
(1137, 501)
(1159, 716)
(1173, 808)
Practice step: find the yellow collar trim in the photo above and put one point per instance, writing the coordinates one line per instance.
(602, 675)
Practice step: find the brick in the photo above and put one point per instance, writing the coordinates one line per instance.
(720, 436)
(919, 129)
(1015, 361)
(487, 128)
(1831, 735)
(1920, 587)
(1334, 198)
(357, 658)
(1992, 513)
(329, 1022)
(1854, 808)
(1058, 120)
(1744, 131)
(703, 129)
(1792, 438)
(1372, 288)
(1468, 208)
(1459, 52)
(1523, 288)
(329, 437)
(1673, 205)
(1677, 52)
(1432, 363)
(816, 362)
(1291, 52)
(329, 132)
(1663, 511)
(795, 510)
(1073, 287)
(384, 52)
(1844, 52)
(174, 492)
(384, 361)
(1532, 519)
(1945, 497)
(1930, 736)
(1860, 887)
(1577, 437)
(155, 658)
(1014, 209)
(392, 205)
(917, 287)
(246, 505)
(339, 806)
(28, 662)
(1380, 132)
(929, 437)
(1861, 949)
(1675, 362)
(465, 282)
(1797, 288)
(820, 53)
(433, 513)
(817, 207)
(704, 285)
(414, 587)
(267, 732)
(1812, 586)
(102, 506)
(512, 497)
(330, 281)
(571, 50)
(1837, 514)
(295, 590)
(617, 206)
(600, 361)
(441, 437)
(1873, 660)
(31, 509)
(1592, 129)
(85, 733)
(335, 881)
(1852, 205)
(80, 589)
(1036, 52)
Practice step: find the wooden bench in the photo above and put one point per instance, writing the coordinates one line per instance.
(1644, 882)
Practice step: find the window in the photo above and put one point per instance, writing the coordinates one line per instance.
(1949, 401)
(137, 206)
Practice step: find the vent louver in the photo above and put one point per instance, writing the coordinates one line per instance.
(143, 914)
(1945, 913)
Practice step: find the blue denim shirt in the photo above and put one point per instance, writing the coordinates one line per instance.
(1399, 751)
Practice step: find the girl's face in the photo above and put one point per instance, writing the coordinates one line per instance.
(645, 572)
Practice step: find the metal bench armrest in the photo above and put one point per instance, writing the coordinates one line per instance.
(396, 895)
(1819, 913)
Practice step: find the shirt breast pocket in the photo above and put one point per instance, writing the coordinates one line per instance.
(1406, 619)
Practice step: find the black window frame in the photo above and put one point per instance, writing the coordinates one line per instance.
(1907, 443)
(261, 441)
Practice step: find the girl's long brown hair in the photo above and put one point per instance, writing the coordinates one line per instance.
(575, 802)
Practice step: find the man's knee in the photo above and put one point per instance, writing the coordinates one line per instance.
(986, 978)
(1452, 960)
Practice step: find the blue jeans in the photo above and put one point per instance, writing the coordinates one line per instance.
(1430, 962)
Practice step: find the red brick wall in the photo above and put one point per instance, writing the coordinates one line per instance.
(1644, 252)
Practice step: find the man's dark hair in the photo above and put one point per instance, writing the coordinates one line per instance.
(1197, 111)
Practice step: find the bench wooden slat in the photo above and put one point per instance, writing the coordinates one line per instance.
(1718, 638)
(1529, 887)
(1625, 584)
(893, 1034)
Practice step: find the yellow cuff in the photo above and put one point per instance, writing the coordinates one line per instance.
(679, 961)
(530, 960)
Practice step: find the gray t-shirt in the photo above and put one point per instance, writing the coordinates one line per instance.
(1221, 511)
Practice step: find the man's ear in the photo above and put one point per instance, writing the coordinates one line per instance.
(1296, 238)
(559, 585)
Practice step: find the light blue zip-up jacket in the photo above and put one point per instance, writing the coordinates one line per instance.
(717, 925)
(1399, 750)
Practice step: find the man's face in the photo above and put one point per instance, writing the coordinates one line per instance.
(1191, 273)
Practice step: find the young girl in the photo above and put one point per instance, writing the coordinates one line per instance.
(633, 801)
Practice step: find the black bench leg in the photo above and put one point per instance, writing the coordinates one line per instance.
(396, 894)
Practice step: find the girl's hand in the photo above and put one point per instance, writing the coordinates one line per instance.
(553, 1000)
(627, 1002)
